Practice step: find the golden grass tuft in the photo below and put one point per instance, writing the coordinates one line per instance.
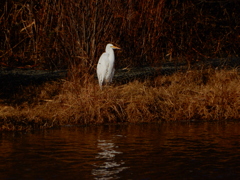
(194, 95)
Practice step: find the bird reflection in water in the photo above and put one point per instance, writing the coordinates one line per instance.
(107, 166)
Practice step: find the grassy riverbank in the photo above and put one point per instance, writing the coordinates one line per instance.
(71, 35)
(193, 95)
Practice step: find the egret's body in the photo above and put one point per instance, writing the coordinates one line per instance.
(105, 67)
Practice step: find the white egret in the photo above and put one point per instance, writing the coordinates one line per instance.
(105, 67)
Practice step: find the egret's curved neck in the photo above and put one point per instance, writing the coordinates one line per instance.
(111, 54)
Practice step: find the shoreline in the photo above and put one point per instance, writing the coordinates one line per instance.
(172, 95)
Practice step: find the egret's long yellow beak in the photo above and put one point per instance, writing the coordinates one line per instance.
(115, 47)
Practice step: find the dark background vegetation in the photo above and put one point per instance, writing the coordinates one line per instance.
(59, 34)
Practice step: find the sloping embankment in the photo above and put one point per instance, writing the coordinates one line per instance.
(11, 80)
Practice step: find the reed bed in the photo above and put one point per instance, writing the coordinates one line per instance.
(56, 34)
(200, 95)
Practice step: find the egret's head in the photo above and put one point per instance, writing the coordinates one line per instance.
(112, 46)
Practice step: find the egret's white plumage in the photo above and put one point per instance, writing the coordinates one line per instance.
(105, 67)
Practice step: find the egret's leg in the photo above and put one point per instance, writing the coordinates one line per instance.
(112, 74)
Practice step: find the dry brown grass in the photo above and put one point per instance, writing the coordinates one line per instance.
(200, 95)
(212, 95)
(55, 34)
(195, 95)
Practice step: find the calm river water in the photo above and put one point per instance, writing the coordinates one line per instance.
(209, 150)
